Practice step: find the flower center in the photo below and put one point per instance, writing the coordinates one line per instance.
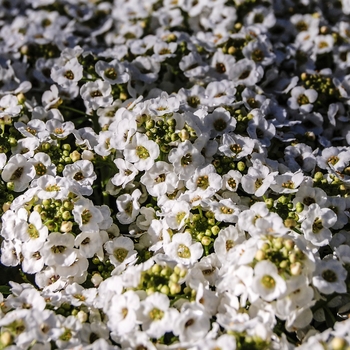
(244, 75)
(40, 169)
(78, 176)
(95, 93)
(193, 101)
(58, 249)
(303, 100)
(220, 68)
(69, 75)
(333, 160)
(232, 183)
(257, 55)
(120, 254)
(329, 276)
(288, 184)
(111, 73)
(32, 231)
(52, 188)
(226, 210)
(317, 226)
(17, 174)
(156, 314)
(229, 244)
(142, 152)
(236, 148)
(258, 183)
(186, 159)
(183, 251)
(203, 182)
(220, 124)
(268, 282)
(85, 216)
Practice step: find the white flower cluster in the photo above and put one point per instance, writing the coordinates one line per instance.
(174, 174)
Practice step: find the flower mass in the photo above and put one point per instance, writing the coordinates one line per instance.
(175, 174)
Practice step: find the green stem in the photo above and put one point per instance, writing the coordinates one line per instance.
(297, 231)
(74, 110)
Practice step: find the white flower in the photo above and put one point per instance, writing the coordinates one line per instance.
(226, 240)
(231, 180)
(225, 210)
(34, 233)
(300, 156)
(176, 212)
(219, 122)
(287, 182)
(205, 181)
(258, 180)
(122, 312)
(182, 249)
(68, 74)
(89, 243)
(141, 151)
(160, 179)
(121, 253)
(317, 223)
(9, 106)
(113, 72)
(329, 276)
(49, 186)
(192, 324)
(302, 99)
(58, 249)
(82, 172)
(126, 174)
(266, 281)
(86, 215)
(156, 316)
(58, 129)
(43, 164)
(96, 94)
(18, 172)
(236, 146)
(186, 158)
(128, 207)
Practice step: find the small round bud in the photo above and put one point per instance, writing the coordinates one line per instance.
(241, 166)
(295, 269)
(165, 290)
(75, 155)
(66, 226)
(260, 255)
(6, 339)
(338, 343)
(96, 279)
(215, 230)
(206, 240)
(82, 316)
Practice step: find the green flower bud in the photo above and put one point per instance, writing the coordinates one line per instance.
(295, 269)
(206, 240)
(215, 230)
(165, 290)
(269, 203)
(211, 221)
(156, 269)
(260, 255)
(299, 207)
(175, 288)
(174, 277)
(10, 186)
(75, 155)
(241, 166)
(207, 233)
